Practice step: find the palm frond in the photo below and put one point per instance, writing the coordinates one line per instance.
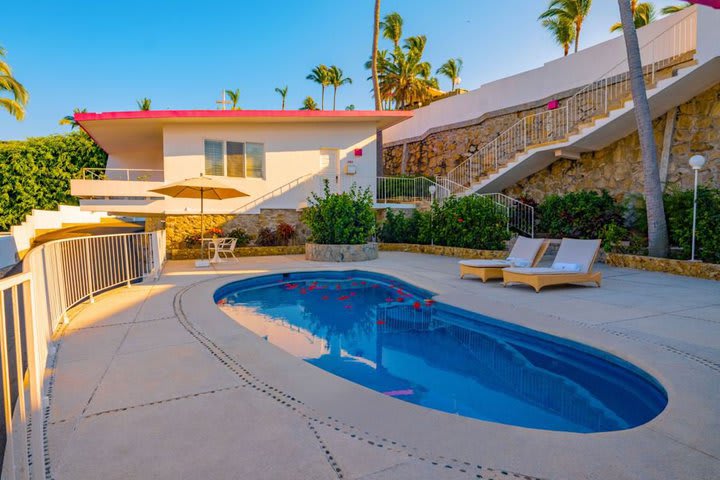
(13, 107)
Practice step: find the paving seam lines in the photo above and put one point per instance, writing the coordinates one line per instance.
(680, 442)
(305, 411)
(150, 320)
(48, 464)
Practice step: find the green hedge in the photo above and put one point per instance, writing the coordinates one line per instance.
(340, 218)
(678, 210)
(583, 214)
(36, 173)
(471, 221)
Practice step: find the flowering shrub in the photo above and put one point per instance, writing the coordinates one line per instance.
(240, 235)
(340, 218)
(471, 221)
(285, 233)
(583, 214)
(193, 240)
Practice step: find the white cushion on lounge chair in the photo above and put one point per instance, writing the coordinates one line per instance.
(538, 271)
(485, 263)
(526, 248)
(566, 267)
(581, 252)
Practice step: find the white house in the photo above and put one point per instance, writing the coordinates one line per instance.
(276, 157)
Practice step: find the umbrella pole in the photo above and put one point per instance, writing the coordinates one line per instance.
(202, 225)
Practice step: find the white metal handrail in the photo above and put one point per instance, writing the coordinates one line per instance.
(409, 190)
(595, 99)
(123, 174)
(56, 276)
(520, 216)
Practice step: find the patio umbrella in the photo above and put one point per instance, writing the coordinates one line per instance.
(203, 188)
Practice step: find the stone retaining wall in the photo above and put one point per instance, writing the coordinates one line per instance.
(686, 268)
(441, 250)
(194, 253)
(341, 253)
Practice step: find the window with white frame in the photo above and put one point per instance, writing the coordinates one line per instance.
(234, 159)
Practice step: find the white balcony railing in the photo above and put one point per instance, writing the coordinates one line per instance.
(123, 174)
(33, 304)
(671, 47)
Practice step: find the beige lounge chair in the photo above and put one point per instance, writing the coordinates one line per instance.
(527, 251)
(573, 264)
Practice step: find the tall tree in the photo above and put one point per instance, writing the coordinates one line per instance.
(451, 69)
(374, 59)
(70, 119)
(406, 78)
(392, 27)
(563, 32)
(144, 104)
(234, 96)
(675, 8)
(657, 225)
(15, 103)
(337, 80)
(309, 104)
(283, 93)
(321, 76)
(573, 11)
(643, 14)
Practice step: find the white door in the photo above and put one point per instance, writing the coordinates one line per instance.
(330, 168)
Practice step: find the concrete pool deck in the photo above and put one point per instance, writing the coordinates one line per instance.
(155, 381)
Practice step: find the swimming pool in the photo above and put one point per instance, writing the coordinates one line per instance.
(391, 336)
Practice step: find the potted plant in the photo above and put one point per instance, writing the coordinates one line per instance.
(341, 225)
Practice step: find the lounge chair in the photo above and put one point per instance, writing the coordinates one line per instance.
(526, 252)
(573, 264)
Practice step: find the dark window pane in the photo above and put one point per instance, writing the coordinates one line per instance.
(214, 158)
(235, 159)
(255, 160)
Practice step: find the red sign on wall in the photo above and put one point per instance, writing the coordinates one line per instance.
(358, 152)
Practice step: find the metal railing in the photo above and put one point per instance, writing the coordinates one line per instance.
(596, 99)
(409, 190)
(520, 216)
(295, 183)
(56, 276)
(123, 174)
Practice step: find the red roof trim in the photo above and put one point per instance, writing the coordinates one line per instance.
(160, 114)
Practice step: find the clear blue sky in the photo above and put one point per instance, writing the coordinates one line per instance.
(103, 55)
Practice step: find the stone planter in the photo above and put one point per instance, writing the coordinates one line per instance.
(341, 253)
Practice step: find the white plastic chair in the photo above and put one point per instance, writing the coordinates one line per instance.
(223, 248)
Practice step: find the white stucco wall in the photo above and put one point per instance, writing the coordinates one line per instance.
(560, 75)
(292, 150)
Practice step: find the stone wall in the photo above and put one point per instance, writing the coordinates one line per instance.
(179, 227)
(618, 167)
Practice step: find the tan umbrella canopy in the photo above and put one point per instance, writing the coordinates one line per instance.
(200, 187)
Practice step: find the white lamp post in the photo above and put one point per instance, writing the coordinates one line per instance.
(696, 162)
(432, 189)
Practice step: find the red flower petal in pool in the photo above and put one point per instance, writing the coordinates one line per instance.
(303, 291)
(381, 322)
(388, 299)
(400, 299)
(337, 287)
(222, 301)
(416, 305)
(344, 297)
(429, 301)
(352, 294)
(375, 286)
(325, 297)
(354, 284)
(348, 307)
(291, 286)
(363, 282)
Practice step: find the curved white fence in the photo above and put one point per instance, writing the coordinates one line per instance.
(56, 276)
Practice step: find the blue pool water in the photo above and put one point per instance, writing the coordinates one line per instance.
(391, 337)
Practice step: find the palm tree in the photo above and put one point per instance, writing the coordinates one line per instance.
(283, 93)
(337, 80)
(451, 69)
(406, 79)
(416, 44)
(643, 14)
(562, 31)
(573, 11)
(374, 58)
(657, 225)
(350, 107)
(15, 104)
(392, 26)
(144, 104)
(309, 104)
(675, 8)
(70, 119)
(234, 98)
(321, 75)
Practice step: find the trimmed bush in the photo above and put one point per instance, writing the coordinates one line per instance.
(471, 221)
(340, 218)
(36, 173)
(678, 210)
(243, 239)
(583, 214)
